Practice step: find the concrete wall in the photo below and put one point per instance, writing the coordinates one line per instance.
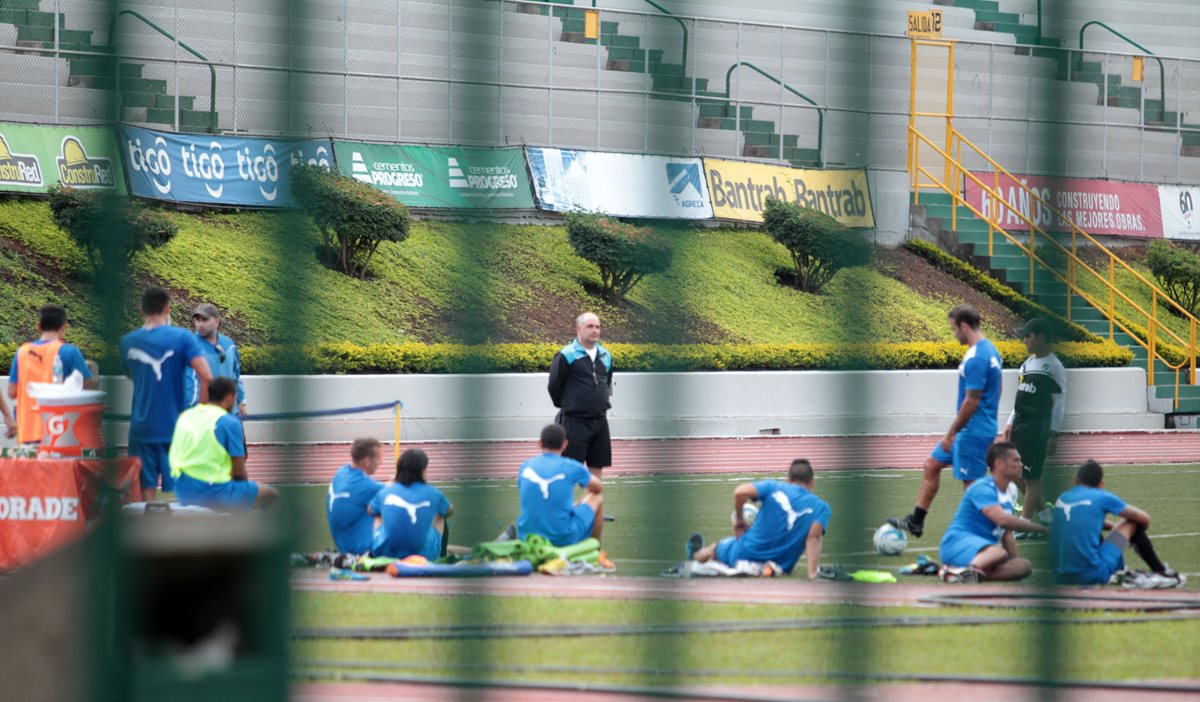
(515, 406)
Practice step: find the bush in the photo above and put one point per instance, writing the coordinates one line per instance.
(350, 359)
(92, 217)
(1065, 329)
(353, 218)
(1178, 272)
(624, 253)
(820, 245)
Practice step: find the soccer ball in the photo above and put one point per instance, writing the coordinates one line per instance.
(749, 513)
(890, 541)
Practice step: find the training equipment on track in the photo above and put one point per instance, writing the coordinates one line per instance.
(890, 541)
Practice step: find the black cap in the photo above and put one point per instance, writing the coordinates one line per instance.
(1037, 325)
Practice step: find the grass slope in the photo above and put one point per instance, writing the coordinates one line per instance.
(478, 282)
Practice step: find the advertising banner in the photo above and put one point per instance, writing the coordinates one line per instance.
(1103, 207)
(209, 169)
(456, 177)
(740, 189)
(1178, 206)
(622, 185)
(34, 157)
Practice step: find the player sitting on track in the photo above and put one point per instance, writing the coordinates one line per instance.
(974, 428)
(791, 523)
(1078, 555)
(980, 537)
(1037, 414)
(546, 484)
(208, 456)
(351, 490)
(410, 513)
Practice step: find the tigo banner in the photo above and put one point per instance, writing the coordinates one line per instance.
(1104, 207)
(740, 189)
(440, 176)
(623, 185)
(35, 157)
(1178, 206)
(211, 169)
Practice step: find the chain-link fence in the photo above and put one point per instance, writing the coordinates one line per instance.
(434, 73)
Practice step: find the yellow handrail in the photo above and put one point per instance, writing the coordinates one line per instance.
(955, 170)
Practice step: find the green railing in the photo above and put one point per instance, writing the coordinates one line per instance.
(682, 25)
(1162, 72)
(212, 86)
(793, 91)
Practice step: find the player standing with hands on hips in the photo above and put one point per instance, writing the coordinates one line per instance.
(581, 387)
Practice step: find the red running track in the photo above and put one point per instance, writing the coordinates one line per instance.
(316, 463)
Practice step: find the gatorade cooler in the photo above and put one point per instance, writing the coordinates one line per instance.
(70, 421)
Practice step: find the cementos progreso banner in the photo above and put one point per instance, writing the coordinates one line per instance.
(740, 189)
(35, 157)
(210, 169)
(1097, 206)
(440, 176)
(623, 185)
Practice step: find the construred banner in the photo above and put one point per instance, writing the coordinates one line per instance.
(45, 504)
(1103, 207)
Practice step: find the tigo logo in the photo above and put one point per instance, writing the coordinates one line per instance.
(209, 166)
(78, 170)
(18, 169)
(262, 169)
(682, 176)
(154, 160)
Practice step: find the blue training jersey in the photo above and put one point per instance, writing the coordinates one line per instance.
(408, 513)
(969, 518)
(70, 358)
(156, 359)
(346, 509)
(780, 531)
(980, 370)
(224, 363)
(546, 485)
(1076, 532)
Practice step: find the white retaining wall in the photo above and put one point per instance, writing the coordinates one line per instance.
(516, 406)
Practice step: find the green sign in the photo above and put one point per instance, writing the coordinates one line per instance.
(34, 157)
(440, 176)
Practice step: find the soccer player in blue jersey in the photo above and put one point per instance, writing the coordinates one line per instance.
(791, 523)
(980, 537)
(546, 484)
(411, 513)
(974, 428)
(1078, 555)
(156, 358)
(351, 491)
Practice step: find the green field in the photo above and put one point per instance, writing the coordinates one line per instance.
(654, 517)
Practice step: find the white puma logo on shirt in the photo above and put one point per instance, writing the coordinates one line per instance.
(335, 495)
(397, 501)
(136, 354)
(1067, 506)
(530, 475)
(792, 515)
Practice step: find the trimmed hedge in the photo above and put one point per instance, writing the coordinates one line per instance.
(984, 283)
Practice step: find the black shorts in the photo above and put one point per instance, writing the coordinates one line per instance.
(588, 440)
(1031, 442)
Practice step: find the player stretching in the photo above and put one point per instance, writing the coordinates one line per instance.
(974, 429)
(1038, 413)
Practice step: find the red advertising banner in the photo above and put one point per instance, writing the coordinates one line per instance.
(1103, 207)
(46, 503)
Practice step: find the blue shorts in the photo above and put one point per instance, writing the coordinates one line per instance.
(1108, 560)
(155, 465)
(432, 550)
(968, 456)
(961, 549)
(729, 551)
(233, 496)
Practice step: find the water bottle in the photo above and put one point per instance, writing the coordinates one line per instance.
(58, 368)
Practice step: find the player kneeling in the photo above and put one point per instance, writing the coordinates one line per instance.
(980, 537)
(1078, 555)
(791, 523)
(410, 514)
(208, 456)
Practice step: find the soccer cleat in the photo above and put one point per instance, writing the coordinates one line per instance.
(1139, 580)
(695, 542)
(605, 564)
(1029, 536)
(907, 524)
(970, 576)
(1167, 579)
(344, 574)
(1046, 516)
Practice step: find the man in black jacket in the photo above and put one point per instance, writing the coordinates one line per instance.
(580, 387)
